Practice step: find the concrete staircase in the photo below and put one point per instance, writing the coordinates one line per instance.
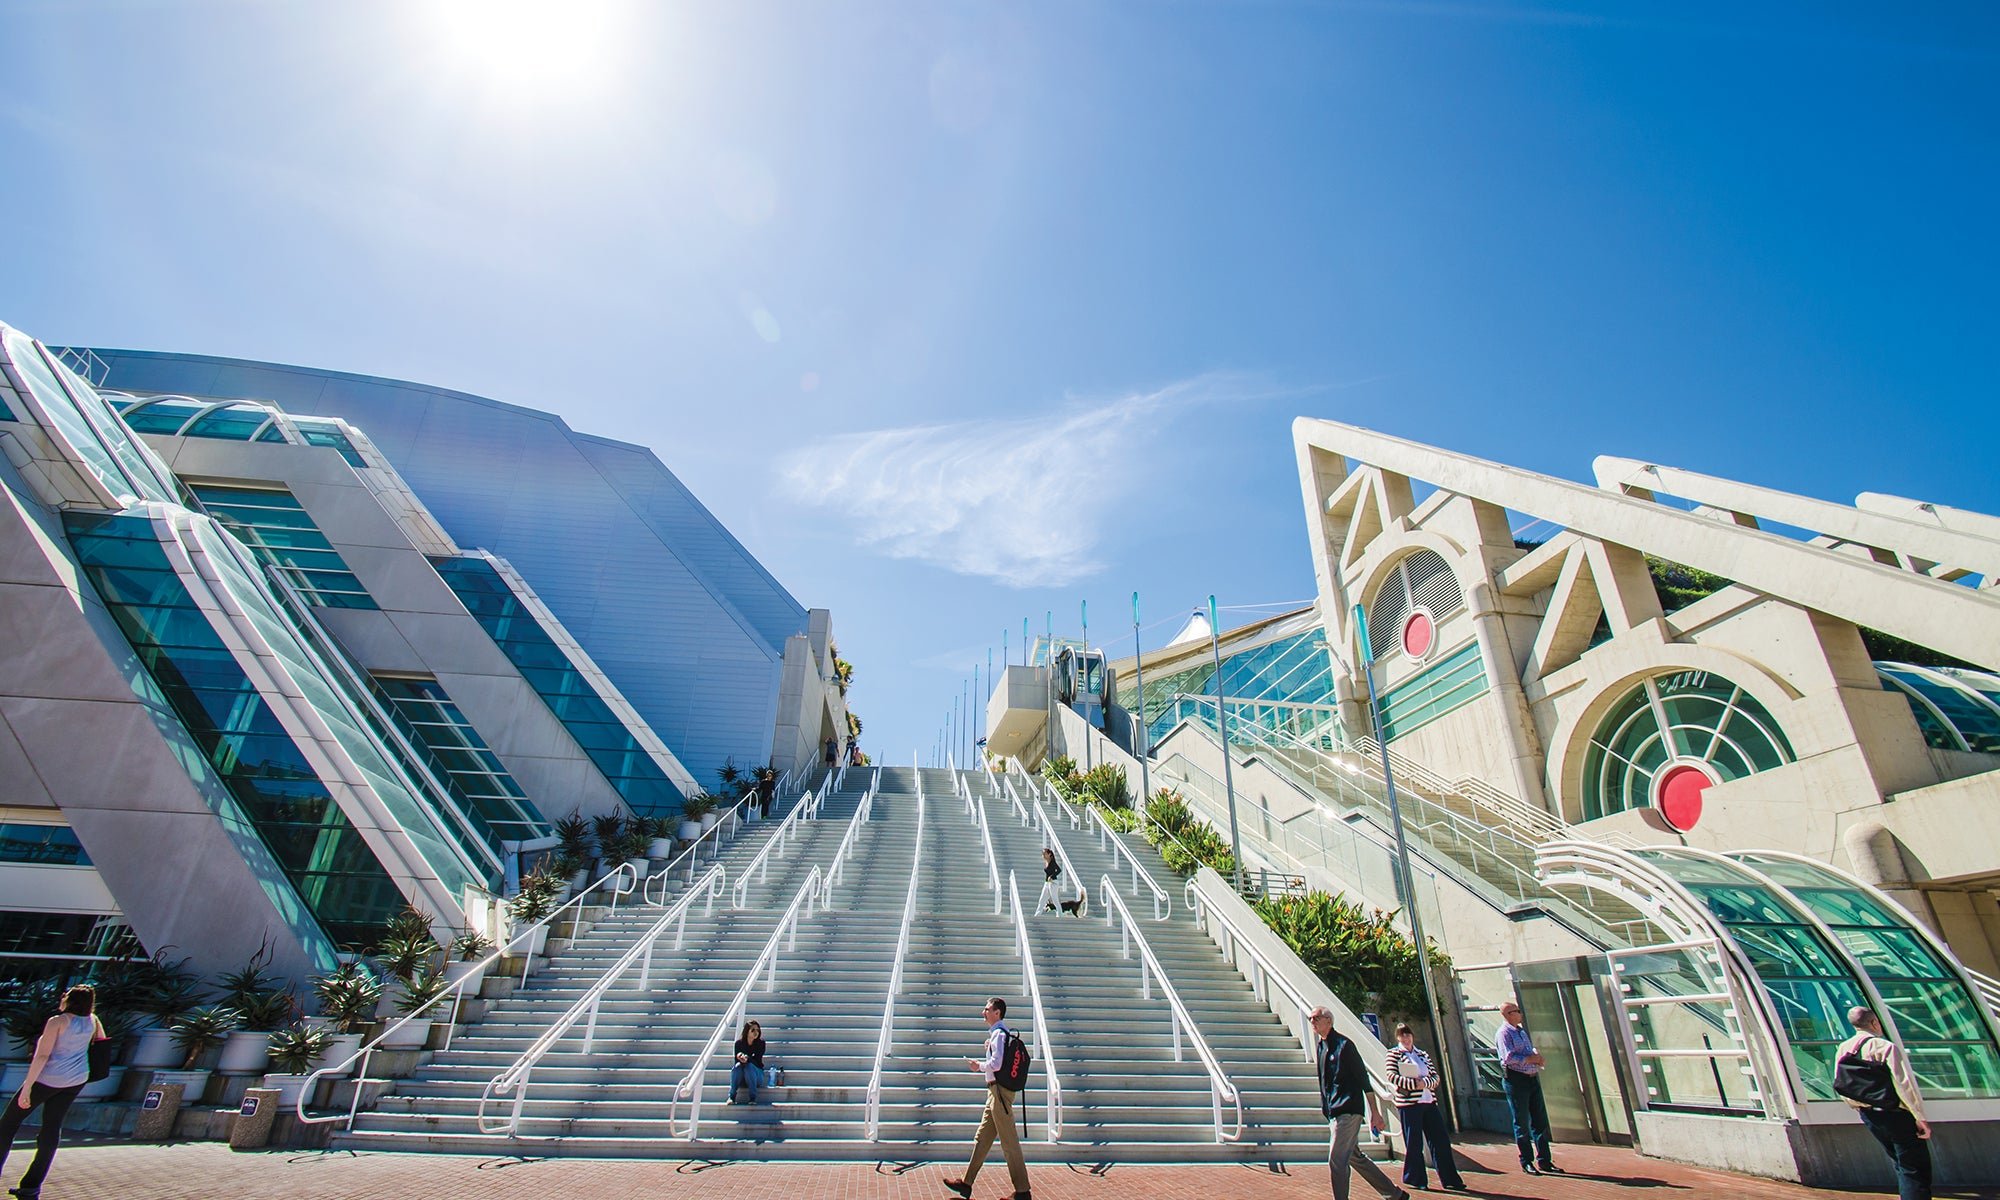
(1125, 1096)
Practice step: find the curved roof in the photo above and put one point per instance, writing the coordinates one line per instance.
(1957, 709)
(242, 421)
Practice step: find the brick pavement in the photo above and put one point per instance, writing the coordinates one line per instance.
(134, 1171)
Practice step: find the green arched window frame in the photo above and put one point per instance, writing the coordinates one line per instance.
(1678, 717)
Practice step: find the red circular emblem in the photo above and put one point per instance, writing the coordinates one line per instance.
(1417, 635)
(1678, 795)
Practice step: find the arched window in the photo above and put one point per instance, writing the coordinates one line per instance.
(1672, 737)
(1420, 591)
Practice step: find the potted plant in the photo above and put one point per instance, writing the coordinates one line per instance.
(23, 1017)
(171, 991)
(632, 846)
(412, 922)
(573, 835)
(571, 868)
(467, 959)
(534, 902)
(660, 837)
(347, 997)
(198, 1033)
(693, 809)
(607, 827)
(296, 1052)
(418, 992)
(260, 1008)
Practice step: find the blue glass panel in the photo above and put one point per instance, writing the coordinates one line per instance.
(279, 531)
(234, 422)
(49, 845)
(629, 769)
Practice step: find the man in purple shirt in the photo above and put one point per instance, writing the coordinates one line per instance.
(1522, 1071)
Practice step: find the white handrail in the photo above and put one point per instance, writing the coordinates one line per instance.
(992, 863)
(733, 818)
(1264, 975)
(836, 868)
(1219, 1087)
(690, 1086)
(1031, 983)
(623, 880)
(514, 1079)
(871, 1120)
(1162, 902)
(807, 809)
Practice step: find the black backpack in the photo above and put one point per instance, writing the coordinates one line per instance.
(1014, 1060)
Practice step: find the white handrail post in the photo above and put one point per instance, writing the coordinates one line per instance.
(590, 1028)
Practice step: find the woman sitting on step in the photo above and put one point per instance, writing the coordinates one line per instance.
(748, 1071)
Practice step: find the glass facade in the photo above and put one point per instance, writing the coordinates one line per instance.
(627, 765)
(66, 948)
(470, 770)
(49, 845)
(1808, 984)
(279, 531)
(1937, 1017)
(1687, 716)
(1956, 709)
(240, 421)
(81, 418)
(1288, 670)
(1451, 682)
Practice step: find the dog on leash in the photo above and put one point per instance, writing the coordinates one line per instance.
(1078, 907)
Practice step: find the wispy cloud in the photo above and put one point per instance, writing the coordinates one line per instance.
(1018, 501)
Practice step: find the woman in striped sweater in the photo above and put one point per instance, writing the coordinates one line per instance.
(1414, 1080)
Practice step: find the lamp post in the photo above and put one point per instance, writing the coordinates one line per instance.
(1405, 881)
(1222, 728)
(1083, 676)
(1139, 719)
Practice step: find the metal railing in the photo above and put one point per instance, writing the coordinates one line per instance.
(1220, 1089)
(992, 860)
(871, 1120)
(758, 868)
(804, 903)
(1108, 837)
(1989, 988)
(836, 867)
(515, 1078)
(1031, 984)
(622, 880)
(713, 836)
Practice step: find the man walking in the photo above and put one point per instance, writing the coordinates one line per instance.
(1522, 1072)
(1873, 1075)
(1415, 1081)
(1344, 1095)
(998, 1120)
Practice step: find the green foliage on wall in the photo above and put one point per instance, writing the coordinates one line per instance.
(1360, 954)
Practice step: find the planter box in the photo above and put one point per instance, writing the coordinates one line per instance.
(290, 1088)
(245, 1053)
(193, 1083)
(104, 1088)
(690, 830)
(13, 1049)
(343, 1047)
(661, 848)
(710, 821)
(153, 1048)
(474, 971)
(640, 865)
(530, 946)
(12, 1075)
(410, 1036)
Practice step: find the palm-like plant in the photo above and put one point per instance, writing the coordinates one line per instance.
(296, 1048)
(347, 996)
(200, 1030)
(403, 956)
(471, 946)
(419, 990)
(266, 1012)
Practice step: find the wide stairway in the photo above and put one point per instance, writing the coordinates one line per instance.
(1126, 1096)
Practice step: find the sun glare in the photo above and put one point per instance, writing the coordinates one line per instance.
(529, 49)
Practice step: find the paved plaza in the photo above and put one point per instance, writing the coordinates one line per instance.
(133, 1171)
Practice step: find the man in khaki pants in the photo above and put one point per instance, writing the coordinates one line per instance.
(998, 1120)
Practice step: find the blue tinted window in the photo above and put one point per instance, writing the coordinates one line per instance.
(282, 535)
(629, 768)
(47, 844)
(460, 756)
(235, 422)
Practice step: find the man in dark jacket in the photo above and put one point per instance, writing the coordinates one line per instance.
(1344, 1096)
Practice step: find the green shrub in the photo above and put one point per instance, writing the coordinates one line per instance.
(1185, 841)
(1360, 954)
(1104, 785)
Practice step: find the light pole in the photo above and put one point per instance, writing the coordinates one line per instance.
(1405, 882)
(1139, 720)
(1083, 676)
(1222, 728)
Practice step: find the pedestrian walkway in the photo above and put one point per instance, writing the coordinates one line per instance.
(205, 1170)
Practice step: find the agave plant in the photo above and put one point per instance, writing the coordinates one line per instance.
(403, 955)
(413, 922)
(200, 1030)
(265, 1012)
(573, 834)
(347, 996)
(28, 1010)
(296, 1048)
(471, 946)
(537, 897)
(419, 990)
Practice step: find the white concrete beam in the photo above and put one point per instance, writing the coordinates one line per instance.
(1946, 617)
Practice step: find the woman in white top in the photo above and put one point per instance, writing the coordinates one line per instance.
(58, 1071)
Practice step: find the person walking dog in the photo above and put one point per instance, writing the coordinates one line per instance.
(1521, 1076)
(1413, 1078)
(1006, 1069)
(1872, 1073)
(1344, 1095)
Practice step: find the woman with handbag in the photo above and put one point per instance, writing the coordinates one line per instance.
(58, 1071)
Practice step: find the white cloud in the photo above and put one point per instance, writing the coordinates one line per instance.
(1018, 501)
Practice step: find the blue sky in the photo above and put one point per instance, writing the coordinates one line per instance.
(959, 313)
